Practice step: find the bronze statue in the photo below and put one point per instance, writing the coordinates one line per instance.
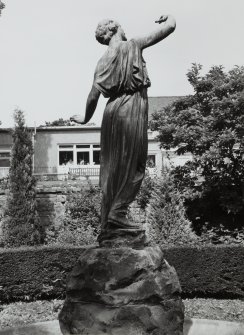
(122, 77)
(122, 286)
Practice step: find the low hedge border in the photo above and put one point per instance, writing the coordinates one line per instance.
(209, 272)
(40, 273)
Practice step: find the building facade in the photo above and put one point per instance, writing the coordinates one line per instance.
(69, 150)
(74, 151)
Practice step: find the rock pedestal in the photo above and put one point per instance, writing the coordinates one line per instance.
(122, 291)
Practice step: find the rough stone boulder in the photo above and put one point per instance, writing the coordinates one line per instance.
(122, 291)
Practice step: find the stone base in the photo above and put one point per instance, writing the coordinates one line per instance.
(122, 291)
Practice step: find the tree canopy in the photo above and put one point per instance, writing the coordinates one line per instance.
(210, 125)
(57, 123)
(61, 123)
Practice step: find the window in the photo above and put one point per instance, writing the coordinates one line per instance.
(66, 157)
(151, 161)
(82, 146)
(83, 158)
(79, 154)
(96, 157)
(4, 158)
(66, 147)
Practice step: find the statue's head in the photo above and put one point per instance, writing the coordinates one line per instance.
(106, 29)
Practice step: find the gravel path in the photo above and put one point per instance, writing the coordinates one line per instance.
(22, 313)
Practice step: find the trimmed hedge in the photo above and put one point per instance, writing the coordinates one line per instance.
(35, 273)
(40, 273)
(209, 272)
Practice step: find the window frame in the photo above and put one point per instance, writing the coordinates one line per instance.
(8, 151)
(74, 148)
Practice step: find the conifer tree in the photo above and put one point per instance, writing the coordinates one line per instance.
(21, 225)
(167, 223)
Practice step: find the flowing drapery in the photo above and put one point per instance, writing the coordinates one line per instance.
(121, 75)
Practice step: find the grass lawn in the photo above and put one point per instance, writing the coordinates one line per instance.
(22, 313)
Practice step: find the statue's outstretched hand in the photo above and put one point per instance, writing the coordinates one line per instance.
(162, 18)
(78, 119)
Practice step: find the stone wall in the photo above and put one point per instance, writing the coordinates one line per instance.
(51, 198)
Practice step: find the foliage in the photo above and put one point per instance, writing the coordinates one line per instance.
(222, 235)
(74, 233)
(145, 191)
(25, 282)
(58, 123)
(4, 183)
(86, 206)
(21, 224)
(81, 223)
(166, 219)
(210, 125)
(61, 123)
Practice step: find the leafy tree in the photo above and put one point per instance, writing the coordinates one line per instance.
(21, 226)
(81, 222)
(210, 125)
(85, 207)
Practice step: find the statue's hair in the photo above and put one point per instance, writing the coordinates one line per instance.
(105, 30)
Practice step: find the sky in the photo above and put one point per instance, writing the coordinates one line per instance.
(48, 51)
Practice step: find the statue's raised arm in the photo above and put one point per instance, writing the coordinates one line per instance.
(159, 34)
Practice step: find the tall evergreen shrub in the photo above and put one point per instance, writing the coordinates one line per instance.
(21, 226)
(166, 218)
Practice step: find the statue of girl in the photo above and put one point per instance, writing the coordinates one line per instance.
(122, 77)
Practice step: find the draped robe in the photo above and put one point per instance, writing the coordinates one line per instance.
(121, 76)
